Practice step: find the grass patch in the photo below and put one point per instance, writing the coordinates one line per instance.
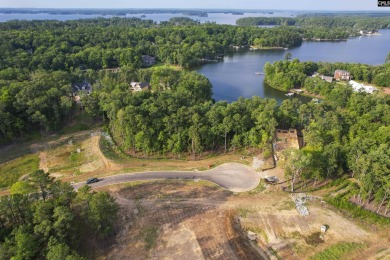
(165, 66)
(110, 151)
(296, 235)
(244, 212)
(338, 251)
(75, 158)
(149, 235)
(286, 205)
(275, 254)
(261, 232)
(75, 128)
(260, 188)
(356, 211)
(202, 183)
(11, 172)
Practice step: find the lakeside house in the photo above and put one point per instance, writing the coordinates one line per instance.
(82, 86)
(112, 70)
(342, 75)
(358, 87)
(326, 78)
(139, 86)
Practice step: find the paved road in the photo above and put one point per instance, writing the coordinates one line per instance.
(232, 176)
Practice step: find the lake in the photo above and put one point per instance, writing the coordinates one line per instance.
(236, 76)
(220, 18)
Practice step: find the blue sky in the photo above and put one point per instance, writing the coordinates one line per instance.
(348, 5)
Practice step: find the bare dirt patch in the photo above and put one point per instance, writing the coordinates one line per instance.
(13, 151)
(285, 139)
(188, 220)
(292, 236)
(73, 157)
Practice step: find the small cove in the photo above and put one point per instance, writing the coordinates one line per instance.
(236, 76)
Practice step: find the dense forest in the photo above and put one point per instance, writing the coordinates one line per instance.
(47, 219)
(181, 119)
(40, 60)
(348, 133)
(323, 27)
(104, 43)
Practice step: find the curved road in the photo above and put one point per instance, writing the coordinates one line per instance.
(235, 177)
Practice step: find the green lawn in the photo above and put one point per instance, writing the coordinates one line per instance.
(338, 251)
(165, 66)
(11, 171)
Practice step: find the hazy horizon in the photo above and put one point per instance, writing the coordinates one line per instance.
(288, 5)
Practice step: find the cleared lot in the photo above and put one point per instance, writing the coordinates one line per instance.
(188, 220)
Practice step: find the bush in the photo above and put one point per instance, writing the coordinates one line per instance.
(356, 211)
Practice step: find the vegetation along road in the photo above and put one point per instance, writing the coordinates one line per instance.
(232, 176)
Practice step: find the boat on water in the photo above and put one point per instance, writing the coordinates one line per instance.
(297, 91)
(290, 94)
(259, 73)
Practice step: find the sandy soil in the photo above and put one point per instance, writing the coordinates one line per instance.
(192, 222)
(57, 160)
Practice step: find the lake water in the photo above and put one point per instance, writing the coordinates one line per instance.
(220, 18)
(236, 76)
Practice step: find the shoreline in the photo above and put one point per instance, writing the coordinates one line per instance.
(305, 93)
(253, 48)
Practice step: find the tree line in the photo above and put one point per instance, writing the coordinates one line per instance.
(361, 22)
(47, 219)
(39, 101)
(179, 117)
(325, 27)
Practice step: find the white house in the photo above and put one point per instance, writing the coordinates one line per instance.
(139, 86)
